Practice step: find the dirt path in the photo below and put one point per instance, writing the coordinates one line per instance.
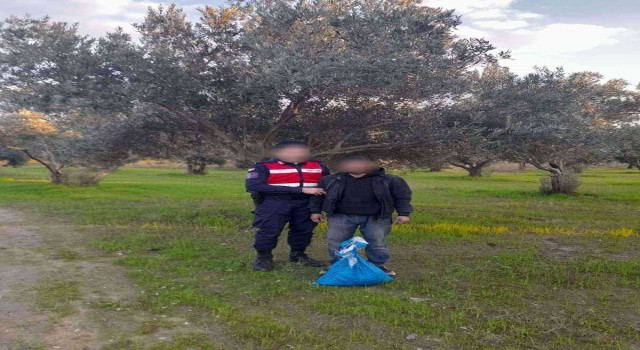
(54, 288)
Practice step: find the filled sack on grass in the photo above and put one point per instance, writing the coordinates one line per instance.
(352, 269)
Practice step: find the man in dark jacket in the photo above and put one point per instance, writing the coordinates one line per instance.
(362, 196)
(281, 188)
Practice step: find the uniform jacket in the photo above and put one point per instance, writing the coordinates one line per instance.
(275, 177)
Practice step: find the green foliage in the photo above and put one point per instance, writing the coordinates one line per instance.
(80, 177)
(228, 76)
(626, 145)
(13, 158)
(57, 104)
(563, 119)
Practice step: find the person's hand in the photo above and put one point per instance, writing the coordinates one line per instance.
(317, 218)
(400, 220)
(315, 191)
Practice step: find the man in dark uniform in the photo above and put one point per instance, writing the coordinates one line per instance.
(281, 188)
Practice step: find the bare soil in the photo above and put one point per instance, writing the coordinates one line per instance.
(37, 252)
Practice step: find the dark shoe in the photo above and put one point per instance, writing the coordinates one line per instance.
(301, 257)
(390, 273)
(264, 261)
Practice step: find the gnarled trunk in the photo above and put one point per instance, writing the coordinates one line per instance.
(475, 169)
(522, 165)
(557, 179)
(560, 180)
(195, 167)
(55, 176)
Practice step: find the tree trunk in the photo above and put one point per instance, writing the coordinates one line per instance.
(556, 183)
(563, 181)
(638, 163)
(195, 167)
(475, 170)
(522, 165)
(55, 176)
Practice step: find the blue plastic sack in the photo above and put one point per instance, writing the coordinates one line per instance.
(352, 269)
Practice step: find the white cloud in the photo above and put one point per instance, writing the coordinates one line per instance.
(501, 25)
(469, 32)
(576, 47)
(528, 15)
(535, 40)
(562, 38)
(488, 14)
(95, 17)
(468, 6)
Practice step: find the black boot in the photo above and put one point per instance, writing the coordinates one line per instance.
(301, 257)
(264, 261)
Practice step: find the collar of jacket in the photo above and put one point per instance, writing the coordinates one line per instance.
(378, 172)
(287, 163)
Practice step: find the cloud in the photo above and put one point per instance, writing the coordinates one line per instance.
(528, 15)
(502, 25)
(468, 6)
(469, 32)
(486, 14)
(563, 38)
(95, 17)
(576, 47)
(472, 10)
(536, 40)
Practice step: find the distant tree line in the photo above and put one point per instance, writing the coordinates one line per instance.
(387, 78)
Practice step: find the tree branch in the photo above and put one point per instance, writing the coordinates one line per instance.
(26, 151)
(287, 115)
(460, 165)
(364, 147)
(339, 144)
(193, 119)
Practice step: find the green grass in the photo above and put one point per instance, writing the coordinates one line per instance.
(493, 263)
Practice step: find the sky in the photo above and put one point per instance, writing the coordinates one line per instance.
(579, 35)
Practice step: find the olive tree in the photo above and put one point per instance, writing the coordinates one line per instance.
(626, 145)
(58, 105)
(561, 121)
(246, 73)
(476, 123)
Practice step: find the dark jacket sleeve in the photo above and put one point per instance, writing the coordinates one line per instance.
(316, 202)
(401, 194)
(325, 169)
(256, 182)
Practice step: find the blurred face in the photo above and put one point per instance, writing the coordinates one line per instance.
(292, 154)
(358, 167)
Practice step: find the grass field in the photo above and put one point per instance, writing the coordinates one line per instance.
(486, 263)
